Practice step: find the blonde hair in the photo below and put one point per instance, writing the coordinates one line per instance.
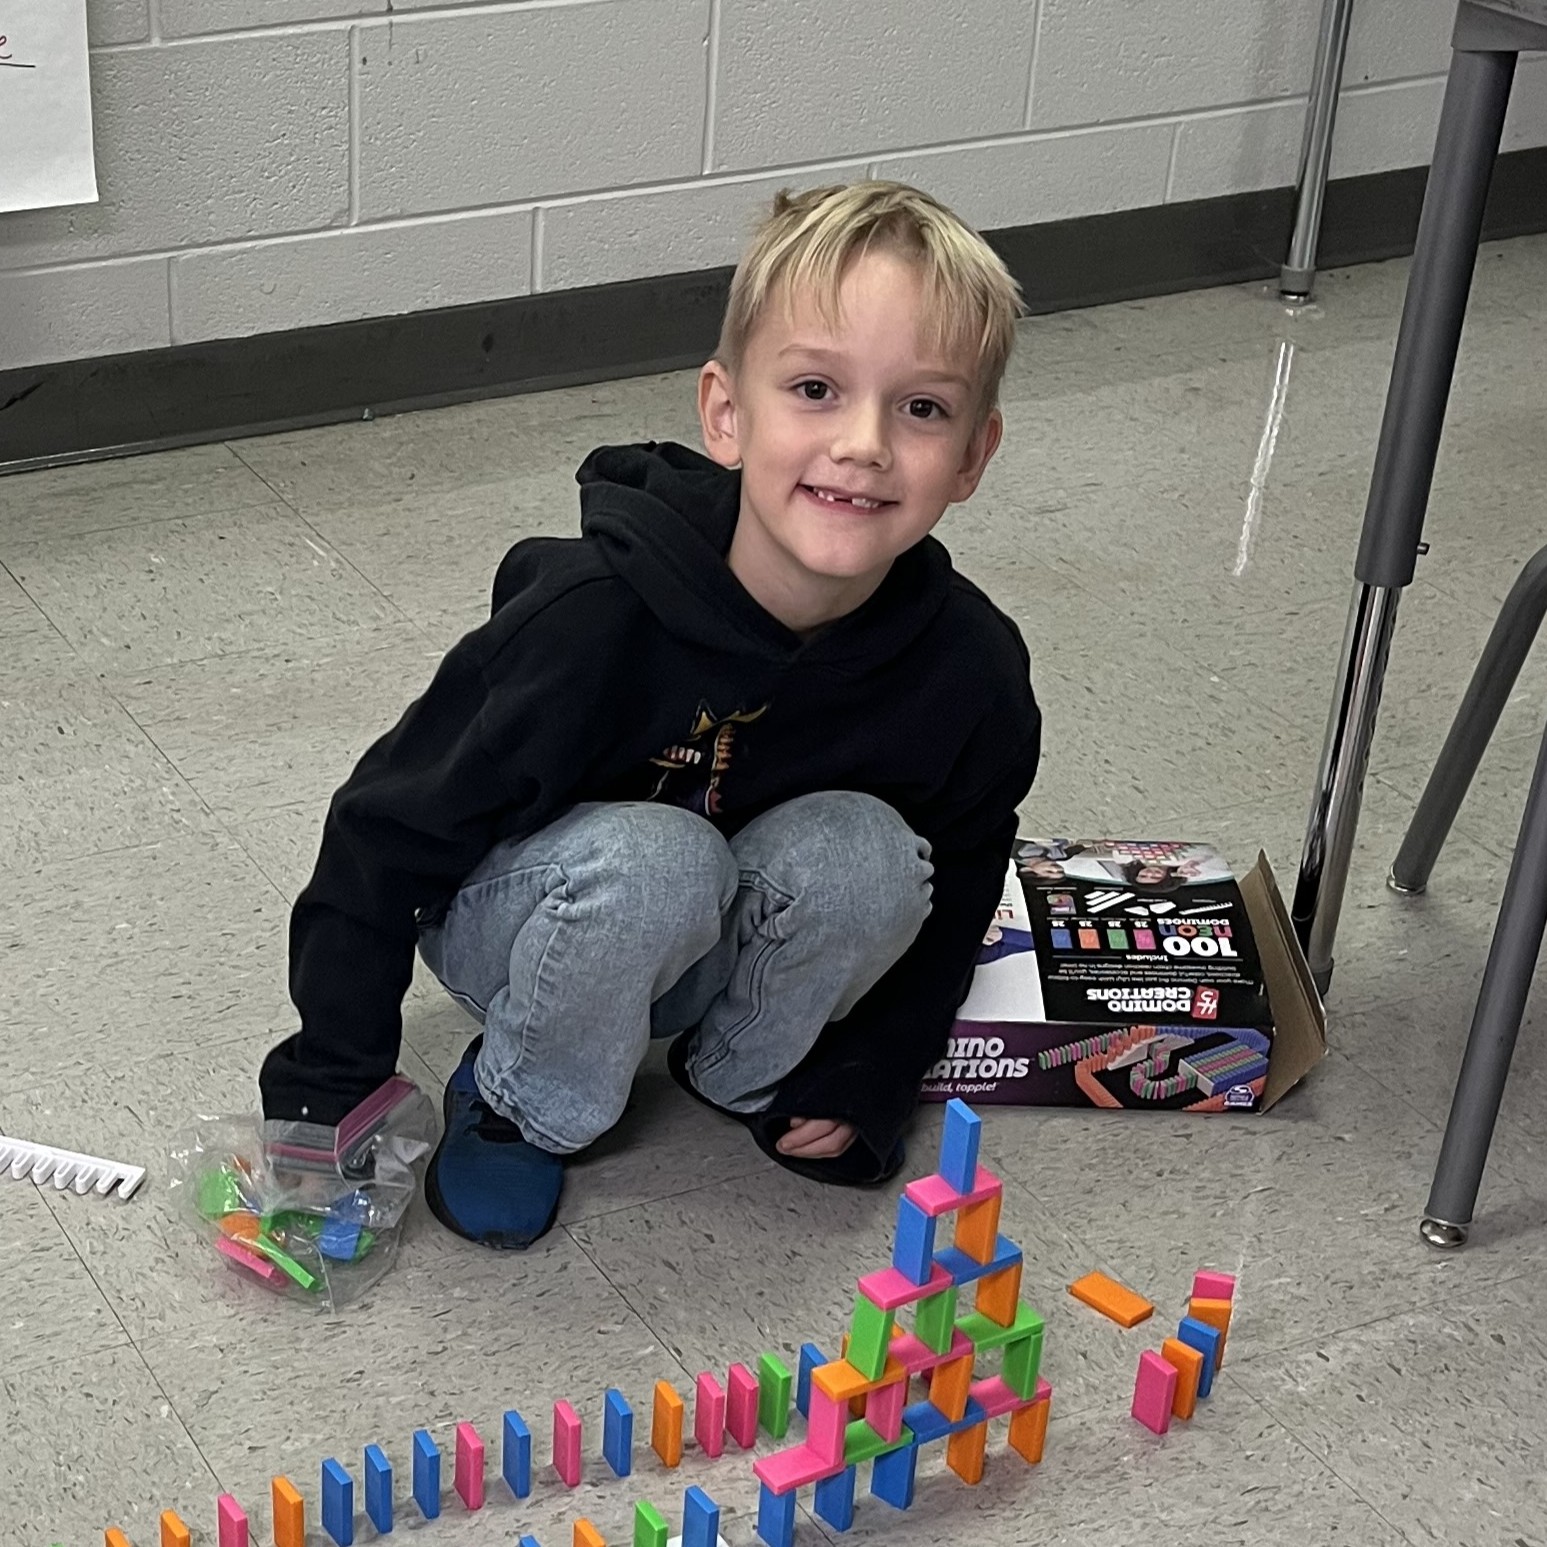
(806, 244)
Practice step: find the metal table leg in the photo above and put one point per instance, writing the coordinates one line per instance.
(1471, 123)
(1517, 942)
(1298, 274)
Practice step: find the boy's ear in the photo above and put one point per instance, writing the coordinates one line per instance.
(717, 414)
(980, 449)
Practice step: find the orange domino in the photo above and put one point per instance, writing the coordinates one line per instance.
(977, 1229)
(665, 1431)
(1189, 1371)
(1028, 1431)
(586, 1535)
(1214, 1313)
(999, 1295)
(173, 1532)
(113, 1537)
(241, 1226)
(950, 1386)
(1109, 1297)
(964, 1452)
(289, 1514)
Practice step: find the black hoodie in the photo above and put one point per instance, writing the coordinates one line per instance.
(609, 660)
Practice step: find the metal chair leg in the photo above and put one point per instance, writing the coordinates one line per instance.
(1498, 668)
(1517, 942)
(1471, 121)
(1298, 275)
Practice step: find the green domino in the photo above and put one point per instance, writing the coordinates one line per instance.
(219, 1192)
(870, 1335)
(862, 1443)
(1022, 1361)
(773, 1395)
(283, 1261)
(986, 1334)
(936, 1321)
(649, 1526)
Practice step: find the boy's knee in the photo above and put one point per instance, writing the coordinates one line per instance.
(852, 856)
(660, 865)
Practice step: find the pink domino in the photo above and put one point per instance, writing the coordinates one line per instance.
(266, 1270)
(469, 1472)
(994, 1397)
(935, 1196)
(889, 1289)
(1213, 1286)
(883, 1408)
(795, 1468)
(918, 1358)
(232, 1522)
(1154, 1392)
(709, 1416)
(566, 1444)
(826, 1427)
(741, 1406)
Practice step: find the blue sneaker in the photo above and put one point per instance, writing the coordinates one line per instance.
(484, 1181)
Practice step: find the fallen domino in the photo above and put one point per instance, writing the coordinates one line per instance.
(68, 1170)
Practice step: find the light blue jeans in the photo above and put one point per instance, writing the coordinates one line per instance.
(623, 921)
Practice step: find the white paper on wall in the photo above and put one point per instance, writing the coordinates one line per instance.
(45, 105)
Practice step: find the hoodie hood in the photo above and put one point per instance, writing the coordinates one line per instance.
(664, 516)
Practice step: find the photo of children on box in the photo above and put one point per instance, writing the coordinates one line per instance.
(1117, 973)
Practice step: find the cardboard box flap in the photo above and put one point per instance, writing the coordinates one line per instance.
(1299, 1020)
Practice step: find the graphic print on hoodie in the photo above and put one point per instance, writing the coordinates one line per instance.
(603, 658)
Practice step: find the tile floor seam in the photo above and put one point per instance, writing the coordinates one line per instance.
(684, 1192)
(1323, 1462)
(46, 541)
(649, 1326)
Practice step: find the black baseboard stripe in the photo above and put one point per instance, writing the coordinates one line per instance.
(195, 393)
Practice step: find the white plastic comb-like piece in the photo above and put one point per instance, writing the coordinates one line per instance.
(42, 1163)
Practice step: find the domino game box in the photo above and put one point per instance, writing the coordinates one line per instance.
(1126, 974)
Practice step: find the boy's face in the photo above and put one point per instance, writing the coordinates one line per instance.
(852, 441)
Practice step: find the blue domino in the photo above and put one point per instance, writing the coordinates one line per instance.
(964, 1270)
(529, 1541)
(775, 1517)
(339, 1239)
(1200, 1335)
(618, 1433)
(700, 1520)
(338, 1503)
(810, 1357)
(516, 1454)
(378, 1489)
(426, 1475)
(959, 1145)
(891, 1478)
(913, 1249)
(834, 1499)
(929, 1424)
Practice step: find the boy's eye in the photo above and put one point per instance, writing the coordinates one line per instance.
(926, 408)
(813, 391)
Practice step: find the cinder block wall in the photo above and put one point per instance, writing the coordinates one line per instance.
(271, 164)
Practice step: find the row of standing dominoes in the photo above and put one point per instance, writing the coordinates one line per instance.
(700, 1521)
(714, 1417)
(856, 1406)
(69, 1171)
(1170, 1383)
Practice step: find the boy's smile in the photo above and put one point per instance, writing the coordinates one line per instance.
(852, 436)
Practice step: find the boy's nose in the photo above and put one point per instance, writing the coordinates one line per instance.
(862, 437)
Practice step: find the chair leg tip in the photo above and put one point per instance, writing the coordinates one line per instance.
(1442, 1234)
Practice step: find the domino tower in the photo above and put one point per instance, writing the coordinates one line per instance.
(857, 1406)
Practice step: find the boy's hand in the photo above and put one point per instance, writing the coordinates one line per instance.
(816, 1138)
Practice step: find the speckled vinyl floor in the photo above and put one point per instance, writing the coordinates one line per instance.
(195, 646)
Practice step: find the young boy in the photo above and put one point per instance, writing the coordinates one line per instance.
(738, 765)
